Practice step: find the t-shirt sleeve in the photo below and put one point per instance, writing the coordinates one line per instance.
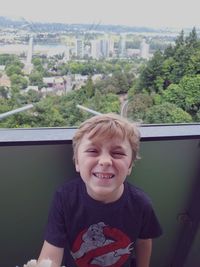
(151, 227)
(55, 232)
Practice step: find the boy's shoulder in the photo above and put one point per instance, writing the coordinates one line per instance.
(70, 184)
(70, 187)
(68, 194)
(136, 194)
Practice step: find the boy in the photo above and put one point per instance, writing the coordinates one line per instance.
(100, 219)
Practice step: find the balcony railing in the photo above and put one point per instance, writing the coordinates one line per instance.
(33, 162)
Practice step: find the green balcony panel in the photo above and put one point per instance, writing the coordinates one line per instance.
(33, 163)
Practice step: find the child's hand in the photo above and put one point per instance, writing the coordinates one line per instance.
(42, 263)
(31, 263)
(34, 263)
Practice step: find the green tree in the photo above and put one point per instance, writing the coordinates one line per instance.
(191, 90)
(7, 59)
(185, 95)
(19, 81)
(38, 65)
(5, 105)
(3, 92)
(180, 40)
(193, 66)
(166, 113)
(89, 88)
(171, 66)
(138, 105)
(33, 96)
(13, 69)
(174, 94)
(47, 113)
(198, 116)
(36, 79)
(104, 103)
(169, 51)
(121, 82)
(150, 74)
(168, 67)
(67, 107)
(192, 40)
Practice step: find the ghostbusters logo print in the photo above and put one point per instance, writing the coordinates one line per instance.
(101, 245)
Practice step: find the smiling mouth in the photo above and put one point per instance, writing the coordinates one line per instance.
(103, 175)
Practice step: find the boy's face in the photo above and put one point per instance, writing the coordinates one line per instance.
(103, 165)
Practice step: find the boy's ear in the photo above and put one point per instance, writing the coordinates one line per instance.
(130, 169)
(77, 166)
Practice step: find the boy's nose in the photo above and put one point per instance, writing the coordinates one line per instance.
(105, 160)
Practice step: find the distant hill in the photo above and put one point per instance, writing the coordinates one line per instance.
(10, 23)
(57, 27)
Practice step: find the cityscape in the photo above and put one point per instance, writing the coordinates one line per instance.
(56, 67)
(82, 41)
(76, 43)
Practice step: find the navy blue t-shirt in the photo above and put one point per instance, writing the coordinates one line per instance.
(95, 234)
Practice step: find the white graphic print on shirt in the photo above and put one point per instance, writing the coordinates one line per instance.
(101, 245)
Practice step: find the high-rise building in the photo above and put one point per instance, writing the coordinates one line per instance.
(66, 54)
(79, 50)
(28, 65)
(95, 49)
(144, 49)
(111, 48)
(104, 48)
(30, 51)
(122, 46)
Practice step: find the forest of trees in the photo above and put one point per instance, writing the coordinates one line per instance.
(168, 89)
(62, 110)
(165, 89)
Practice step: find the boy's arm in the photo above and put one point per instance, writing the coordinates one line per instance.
(55, 254)
(143, 252)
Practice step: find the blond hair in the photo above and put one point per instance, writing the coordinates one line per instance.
(108, 125)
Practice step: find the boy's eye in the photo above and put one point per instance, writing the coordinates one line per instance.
(91, 150)
(118, 153)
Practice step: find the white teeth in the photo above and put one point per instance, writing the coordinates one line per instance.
(103, 176)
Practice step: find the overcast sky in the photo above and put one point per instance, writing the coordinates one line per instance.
(152, 13)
